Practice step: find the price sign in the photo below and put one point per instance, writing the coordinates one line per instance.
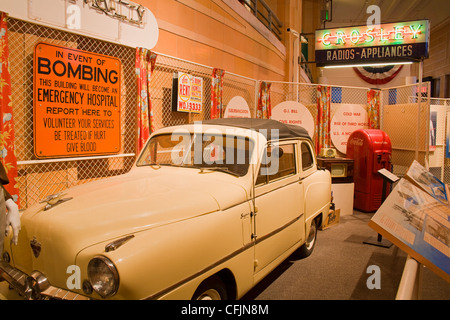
(190, 93)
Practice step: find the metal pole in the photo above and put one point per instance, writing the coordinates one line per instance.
(257, 85)
(419, 101)
(409, 288)
(427, 137)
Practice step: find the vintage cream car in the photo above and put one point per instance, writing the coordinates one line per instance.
(207, 211)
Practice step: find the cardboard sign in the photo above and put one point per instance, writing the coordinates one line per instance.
(76, 102)
(348, 118)
(237, 108)
(189, 97)
(293, 112)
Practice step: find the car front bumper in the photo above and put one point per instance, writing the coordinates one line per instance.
(34, 286)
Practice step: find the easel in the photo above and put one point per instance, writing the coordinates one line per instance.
(387, 177)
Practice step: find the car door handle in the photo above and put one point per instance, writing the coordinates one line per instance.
(244, 215)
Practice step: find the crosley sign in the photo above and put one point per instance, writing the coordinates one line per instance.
(402, 41)
(76, 102)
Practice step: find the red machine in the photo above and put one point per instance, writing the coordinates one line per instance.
(371, 150)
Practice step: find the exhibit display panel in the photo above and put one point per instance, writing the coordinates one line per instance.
(416, 218)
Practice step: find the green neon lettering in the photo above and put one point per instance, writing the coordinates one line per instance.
(352, 38)
(398, 33)
(326, 42)
(368, 33)
(340, 37)
(382, 34)
(415, 31)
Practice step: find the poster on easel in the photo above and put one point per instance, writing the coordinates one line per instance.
(422, 178)
(416, 219)
(437, 136)
(433, 124)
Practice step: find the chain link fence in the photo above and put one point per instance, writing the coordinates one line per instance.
(406, 120)
(40, 178)
(416, 127)
(400, 112)
(161, 91)
(344, 100)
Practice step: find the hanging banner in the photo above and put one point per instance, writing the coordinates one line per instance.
(378, 75)
(76, 104)
(393, 42)
(188, 96)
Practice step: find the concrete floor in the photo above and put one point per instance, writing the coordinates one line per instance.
(336, 270)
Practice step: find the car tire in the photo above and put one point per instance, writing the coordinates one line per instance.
(307, 248)
(212, 288)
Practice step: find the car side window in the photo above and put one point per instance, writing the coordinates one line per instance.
(278, 162)
(307, 157)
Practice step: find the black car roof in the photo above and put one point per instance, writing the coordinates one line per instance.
(285, 131)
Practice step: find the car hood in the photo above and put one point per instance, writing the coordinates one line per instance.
(106, 209)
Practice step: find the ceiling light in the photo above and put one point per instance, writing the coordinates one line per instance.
(367, 65)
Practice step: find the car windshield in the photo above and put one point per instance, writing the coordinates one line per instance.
(207, 152)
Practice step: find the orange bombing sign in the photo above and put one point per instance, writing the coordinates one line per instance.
(76, 102)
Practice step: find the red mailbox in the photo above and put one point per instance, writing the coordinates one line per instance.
(371, 150)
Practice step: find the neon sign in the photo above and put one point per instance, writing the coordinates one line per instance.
(394, 41)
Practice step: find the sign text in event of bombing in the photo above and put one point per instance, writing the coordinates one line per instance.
(76, 102)
(402, 41)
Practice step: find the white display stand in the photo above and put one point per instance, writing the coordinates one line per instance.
(343, 194)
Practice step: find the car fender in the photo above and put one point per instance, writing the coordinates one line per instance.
(189, 251)
(317, 191)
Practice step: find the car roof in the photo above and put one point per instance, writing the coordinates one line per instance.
(285, 131)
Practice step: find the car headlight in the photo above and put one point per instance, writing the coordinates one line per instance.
(103, 276)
